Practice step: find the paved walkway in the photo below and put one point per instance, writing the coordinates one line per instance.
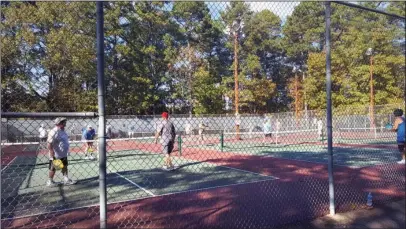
(389, 215)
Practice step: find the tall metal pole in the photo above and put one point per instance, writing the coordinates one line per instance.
(236, 71)
(296, 98)
(237, 126)
(189, 78)
(102, 120)
(329, 113)
(372, 99)
(305, 102)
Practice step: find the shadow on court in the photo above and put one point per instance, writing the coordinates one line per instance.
(128, 178)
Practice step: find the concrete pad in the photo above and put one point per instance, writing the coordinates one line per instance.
(388, 215)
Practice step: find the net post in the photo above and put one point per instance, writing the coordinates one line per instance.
(338, 135)
(221, 141)
(375, 133)
(323, 136)
(276, 137)
(180, 144)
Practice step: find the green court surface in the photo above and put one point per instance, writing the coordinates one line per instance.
(352, 156)
(131, 175)
(299, 137)
(378, 141)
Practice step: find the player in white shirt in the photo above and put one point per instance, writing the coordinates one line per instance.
(42, 133)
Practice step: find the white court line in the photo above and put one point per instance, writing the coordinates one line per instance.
(282, 158)
(241, 170)
(145, 190)
(314, 162)
(213, 187)
(321, 163)
(326, 163)
(227, 167)
(123, 201)
(8, 164)
(367, 166)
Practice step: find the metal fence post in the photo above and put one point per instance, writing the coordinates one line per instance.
(180, 144)
(329, 113)
(101, 104)
(221, 141)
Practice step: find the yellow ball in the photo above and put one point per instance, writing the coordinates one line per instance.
(58, 164)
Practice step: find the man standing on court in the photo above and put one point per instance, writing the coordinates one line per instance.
(88, 137)
(166, 130)
(320, 129)
(42, 133)
(109, 133)
(58, 146)
(131, 129)
(202, 127)
(267, 128)
(238, 125)
(399, 127)
(188, 129)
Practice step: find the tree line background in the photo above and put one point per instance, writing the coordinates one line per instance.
(178, 56)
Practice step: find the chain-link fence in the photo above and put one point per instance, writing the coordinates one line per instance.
(258, 161)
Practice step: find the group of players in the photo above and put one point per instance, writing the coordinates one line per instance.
(88, 136)
(58, 142)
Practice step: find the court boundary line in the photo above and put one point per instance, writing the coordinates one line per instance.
(267, 156)
(269, 178)
(340, 165)
(5, 167)
(137, 185)
(380, 164)
(242, 170)
(144, 198)
(314, 162)
(227, 167)
(224, 166)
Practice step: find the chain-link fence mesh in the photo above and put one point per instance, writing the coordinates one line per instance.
(362, 51)
(265, 167)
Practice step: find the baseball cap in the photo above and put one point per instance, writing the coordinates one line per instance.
(59, 120)
(165, 115)
(89, 126)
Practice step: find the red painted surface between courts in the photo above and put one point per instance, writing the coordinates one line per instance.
(301, 192)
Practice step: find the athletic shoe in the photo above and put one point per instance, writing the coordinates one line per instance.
(402, 162)
(86, 157)
(69, 182)
(91, 157)
(174, 168)
(166, 168)
(51, 183)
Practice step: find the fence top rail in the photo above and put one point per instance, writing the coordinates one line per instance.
(369, 9)
(48, 114)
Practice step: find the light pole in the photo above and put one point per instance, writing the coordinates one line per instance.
(369, 53)
(305, 101)
(235, 28)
